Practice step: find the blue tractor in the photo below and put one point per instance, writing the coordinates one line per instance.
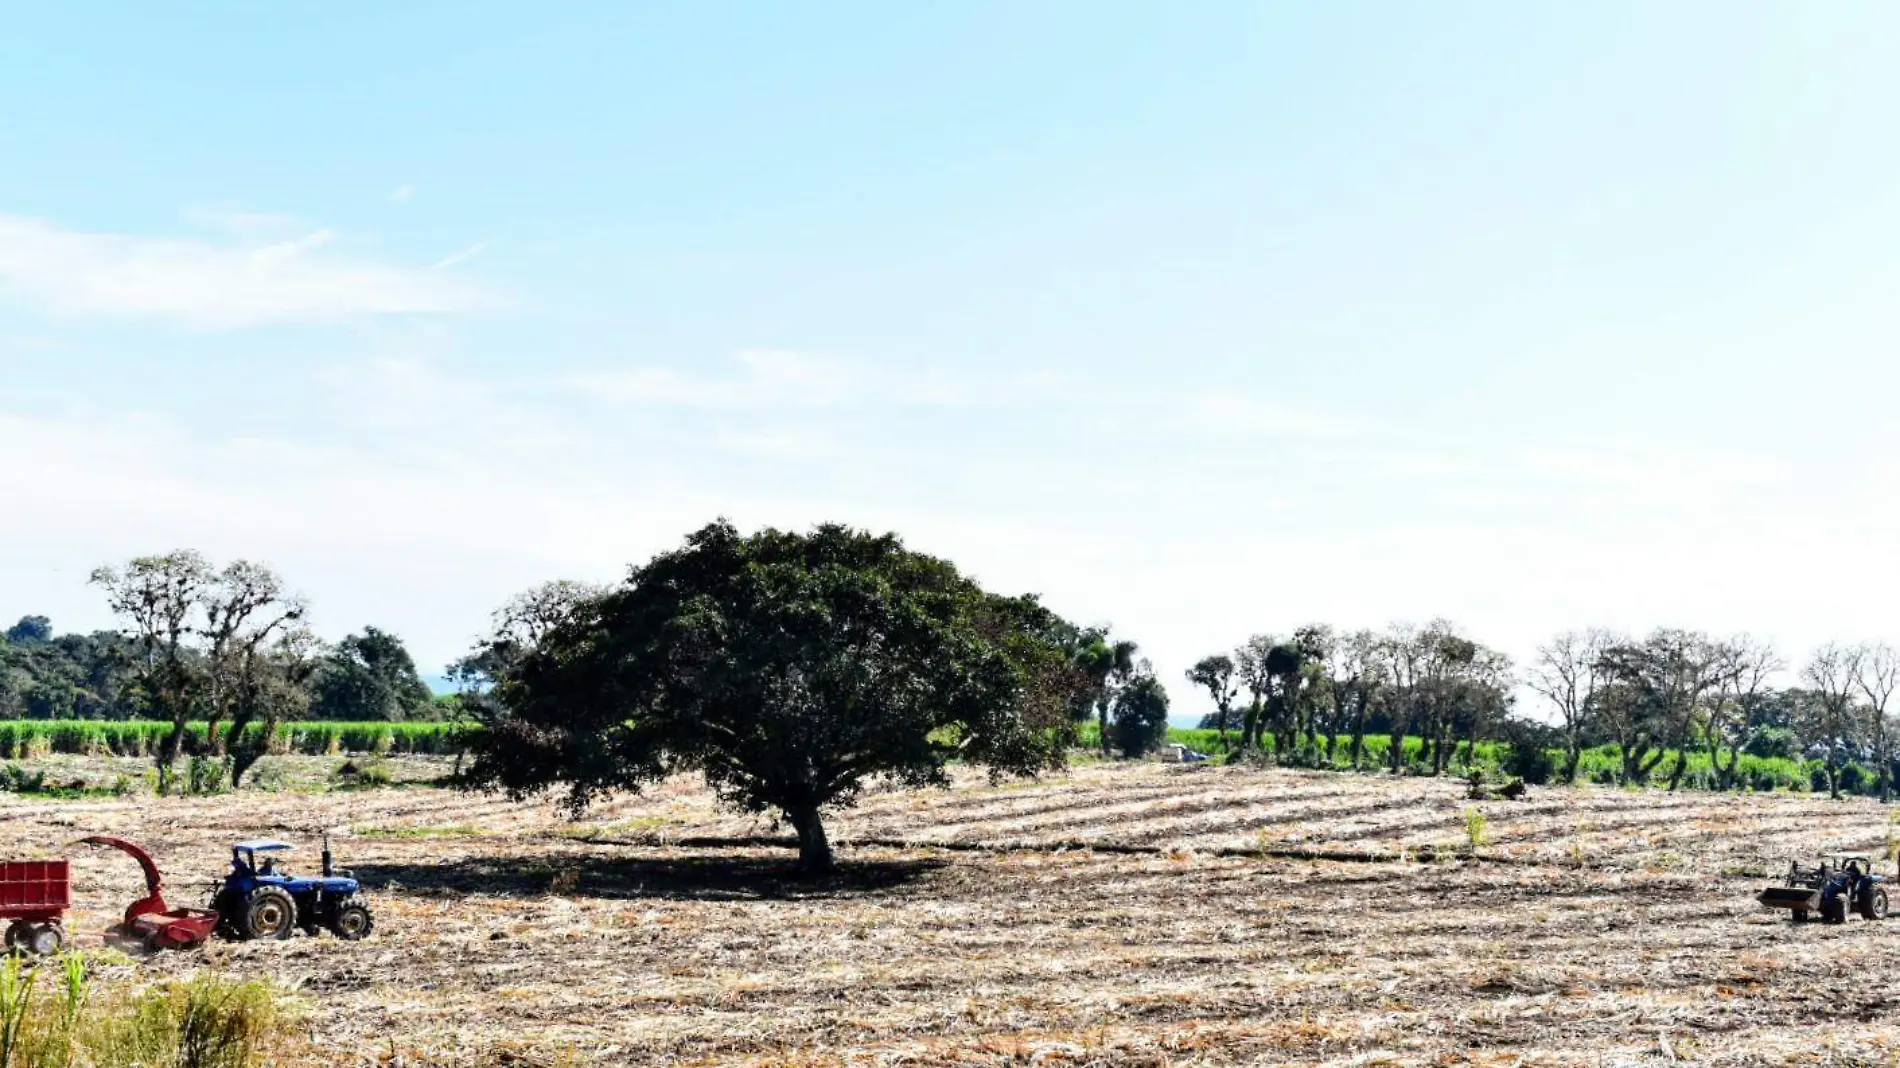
(261, 899)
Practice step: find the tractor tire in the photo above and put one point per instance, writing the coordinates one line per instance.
(1798, 915)
(46, 939)
(16, 936)
(271, 913)
(1874, 905)
(352, 922)
(1834, 909)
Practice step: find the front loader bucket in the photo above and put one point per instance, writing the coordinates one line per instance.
(1791, 897)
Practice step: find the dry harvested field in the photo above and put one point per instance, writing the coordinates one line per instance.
(1142, 914)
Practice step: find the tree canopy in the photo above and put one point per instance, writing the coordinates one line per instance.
(787, 668)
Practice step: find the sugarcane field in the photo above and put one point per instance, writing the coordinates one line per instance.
(1146, 913)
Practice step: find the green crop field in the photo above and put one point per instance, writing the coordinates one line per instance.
(22, 739)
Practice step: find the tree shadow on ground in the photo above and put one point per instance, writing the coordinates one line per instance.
(689, 878)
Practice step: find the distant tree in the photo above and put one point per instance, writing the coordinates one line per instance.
(160, 597)
(274, 689)
(1728, 722)
(1877, 676)
(1141, 714)
(1655, 693)
(243, 605)
(370, 676)
(1215, 674)
(1254, 668)
(30, 630)
(1831, 718)
(1108, 666)
(787, 668)
(1354, 670)
(1565, 673)
(517, 627)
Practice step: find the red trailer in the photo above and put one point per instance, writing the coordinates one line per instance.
(35, 895)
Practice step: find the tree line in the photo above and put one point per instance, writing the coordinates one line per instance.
(1658, 701)
(224, 646)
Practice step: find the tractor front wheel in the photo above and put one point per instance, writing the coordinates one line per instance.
(1798, 915)
(1834, 908)
(352, 921)
(1874, 905)
(271, 913)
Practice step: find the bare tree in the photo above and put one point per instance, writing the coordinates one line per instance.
(1566, 672)
(160, 597)
(1355, 670)
(1726, 721)
(1831, 718)
(1877, 675)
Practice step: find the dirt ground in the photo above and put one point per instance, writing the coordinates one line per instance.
(1138, 914)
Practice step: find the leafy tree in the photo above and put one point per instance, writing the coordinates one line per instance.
(29, 630)
(160, 597)
(1141, 714)
(1215, 674)
(1108, 666)
(370, 676)
(787, 668)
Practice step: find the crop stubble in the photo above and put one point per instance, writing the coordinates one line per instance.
(1597, 927)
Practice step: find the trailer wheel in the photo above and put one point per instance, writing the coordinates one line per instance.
(1874, 905)
(271, 913)
(16, 936)
(46, 939)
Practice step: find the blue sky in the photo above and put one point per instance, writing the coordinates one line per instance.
(1202, 319)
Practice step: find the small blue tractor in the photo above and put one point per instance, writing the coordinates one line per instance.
(259, 899)
(1833, 888)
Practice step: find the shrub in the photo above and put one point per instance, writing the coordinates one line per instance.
(204, 1022)
(1773, 742)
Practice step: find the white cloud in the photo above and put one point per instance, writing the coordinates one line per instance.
(401, 194)
(207, 285)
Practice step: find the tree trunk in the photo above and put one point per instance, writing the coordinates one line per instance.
(814, 849)
(168, 752)
(1573, 755)
(1101, 723)
(1358, 734)
(1682, 765)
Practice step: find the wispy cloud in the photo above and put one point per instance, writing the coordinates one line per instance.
(779, 379)
(463, 256)
(212, 286)
(401, 194)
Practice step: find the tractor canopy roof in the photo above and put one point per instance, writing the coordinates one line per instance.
(262, 845)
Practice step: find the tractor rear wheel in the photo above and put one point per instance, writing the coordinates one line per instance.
(352, 921)
(271, 913)
(1874, 905)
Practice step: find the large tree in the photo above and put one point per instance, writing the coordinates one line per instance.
(787, 668)
(160, 597)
